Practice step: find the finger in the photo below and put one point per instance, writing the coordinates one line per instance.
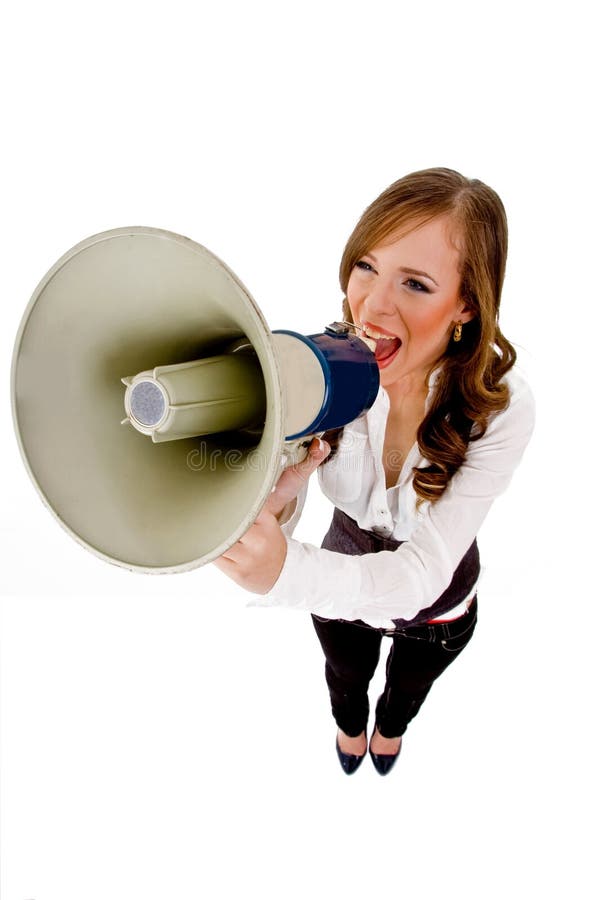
(317, 451)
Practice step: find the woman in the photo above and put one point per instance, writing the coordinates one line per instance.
(413, 479)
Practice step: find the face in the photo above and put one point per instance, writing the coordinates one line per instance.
(405, 294)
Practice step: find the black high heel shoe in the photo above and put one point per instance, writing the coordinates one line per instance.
(384, 762)
(349, 762)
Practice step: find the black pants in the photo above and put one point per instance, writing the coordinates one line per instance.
(417, 657)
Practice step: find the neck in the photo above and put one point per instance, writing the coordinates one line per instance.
(413, 386)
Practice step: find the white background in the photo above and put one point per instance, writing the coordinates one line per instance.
(160, 739)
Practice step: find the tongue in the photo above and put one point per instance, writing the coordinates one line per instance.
(386, 347)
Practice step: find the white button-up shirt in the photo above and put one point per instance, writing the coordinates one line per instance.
(380, 587)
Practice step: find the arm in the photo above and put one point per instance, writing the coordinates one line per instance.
(397, 584)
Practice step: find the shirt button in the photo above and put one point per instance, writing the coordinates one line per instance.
(381, 530)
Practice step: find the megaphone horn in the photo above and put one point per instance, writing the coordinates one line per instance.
(149, 324)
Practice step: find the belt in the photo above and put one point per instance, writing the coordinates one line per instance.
(434, 631)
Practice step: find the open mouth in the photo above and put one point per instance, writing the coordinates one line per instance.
(386, 347)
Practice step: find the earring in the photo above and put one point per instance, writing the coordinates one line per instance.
(457, 332)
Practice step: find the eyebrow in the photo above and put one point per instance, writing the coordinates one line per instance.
(408, 270)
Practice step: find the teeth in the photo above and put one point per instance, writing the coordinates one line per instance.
(375, 334)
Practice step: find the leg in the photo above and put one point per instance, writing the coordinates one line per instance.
(351, 653)
(413, 665)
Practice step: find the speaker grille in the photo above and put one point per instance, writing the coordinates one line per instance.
(147, 403)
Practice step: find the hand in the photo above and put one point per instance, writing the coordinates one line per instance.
(256, 560)
(293, 479)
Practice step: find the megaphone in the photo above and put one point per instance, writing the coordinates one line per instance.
(154, 408)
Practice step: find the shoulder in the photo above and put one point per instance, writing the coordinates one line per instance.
(520, 411)
(492, 458)
(518, 385)
(508, 431)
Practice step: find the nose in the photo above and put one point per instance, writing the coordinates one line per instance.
(380, 299)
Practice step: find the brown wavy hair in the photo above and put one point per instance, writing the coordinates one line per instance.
(469, 388)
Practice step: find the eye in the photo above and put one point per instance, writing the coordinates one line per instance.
(417, 286)
(365, 266)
